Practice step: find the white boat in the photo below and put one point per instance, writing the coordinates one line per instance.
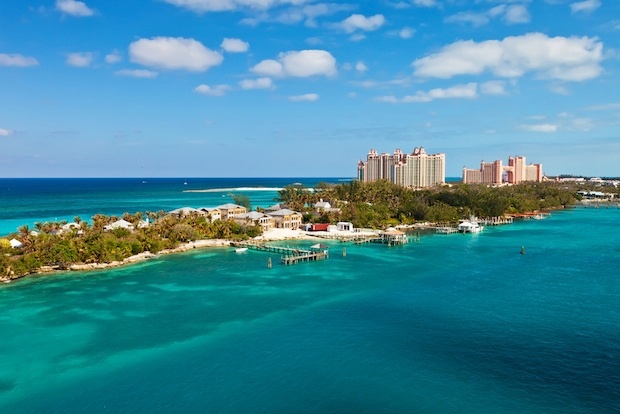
(241, 249)
(469, 226)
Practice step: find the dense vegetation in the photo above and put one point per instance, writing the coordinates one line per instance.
(90, 243)
(381, 203)
(376, 205)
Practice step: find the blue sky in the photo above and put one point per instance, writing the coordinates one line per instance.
(214, 88)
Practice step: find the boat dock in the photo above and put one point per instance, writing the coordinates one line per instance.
(289, 255)
(446, 230)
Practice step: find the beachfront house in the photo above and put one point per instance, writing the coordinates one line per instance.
(322, 206)
(275, 207)
(286, 219)
(344, 226)
(119, 224)
(184, 211)
(69, 227)
(212, 213)
(230, 210)
(16, 244)
(253, 218)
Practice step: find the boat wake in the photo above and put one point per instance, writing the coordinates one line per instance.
(228, 190)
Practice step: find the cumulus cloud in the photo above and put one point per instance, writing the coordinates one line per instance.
(113, 57)
(259, 83)
(539, 128)
(512, 14)
(204, 6)
(217, 90)
(361, 67)
(406, 33)
(80, 60)
(307, 13)
(174, 53)
(587, 6)
(517, 13)
(466, 91)
(493, 88)
(425, 3)
(309, 97)
(74, 8)
(6, 132)
(137, 73)
(300, 64)
(235, 45)
(561, 58)
(360, 22)
(17, 60)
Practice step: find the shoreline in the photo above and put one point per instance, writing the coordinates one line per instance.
(269, 236)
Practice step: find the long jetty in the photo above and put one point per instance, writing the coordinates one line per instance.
(290, 255)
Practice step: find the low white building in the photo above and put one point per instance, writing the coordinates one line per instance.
(16, 244)
(119, 224)
(344, 226)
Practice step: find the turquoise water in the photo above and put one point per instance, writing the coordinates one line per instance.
(28, 200)
(451, 324)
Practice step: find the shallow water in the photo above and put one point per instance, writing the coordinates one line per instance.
(451, 324)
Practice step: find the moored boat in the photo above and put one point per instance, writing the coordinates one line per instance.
(470, 226)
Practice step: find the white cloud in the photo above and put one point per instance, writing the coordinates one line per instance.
(259, 83)
(357, 37)
(425, 3)
(80, 60)
(113, 57)
(217, 90)
(604, 107)
(475, 19)
(360, 22)
(587, 6)
(309, 97)
(493, 88)
(466, 91)
(17, 60)
(74, 8)
(562, 58)
(6, 132)
(406, 33)
(513, 14)
(559, 89)
(235, 45)
(138, 73)
(174, 53)
(361, 67)
(539, 128)
(299, 64)
(516, 14)
(204, 6)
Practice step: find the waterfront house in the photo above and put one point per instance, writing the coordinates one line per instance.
(119, 224)
(286, 219)
(393, 236)
(265, 221)
(68, 227)
(322, 206)
(184, 211)
(344, 226)
(275, 207)
(212, 214)
(16, 244)
(230, 210)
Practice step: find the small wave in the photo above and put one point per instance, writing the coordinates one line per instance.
(227, 190)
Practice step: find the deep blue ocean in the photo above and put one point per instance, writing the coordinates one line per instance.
(447, 324)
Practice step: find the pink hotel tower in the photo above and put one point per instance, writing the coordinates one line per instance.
(495, 173)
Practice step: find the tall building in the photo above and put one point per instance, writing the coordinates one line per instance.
(495, 173)
(417, 169)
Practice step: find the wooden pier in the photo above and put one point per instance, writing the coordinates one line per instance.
(289, 255)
